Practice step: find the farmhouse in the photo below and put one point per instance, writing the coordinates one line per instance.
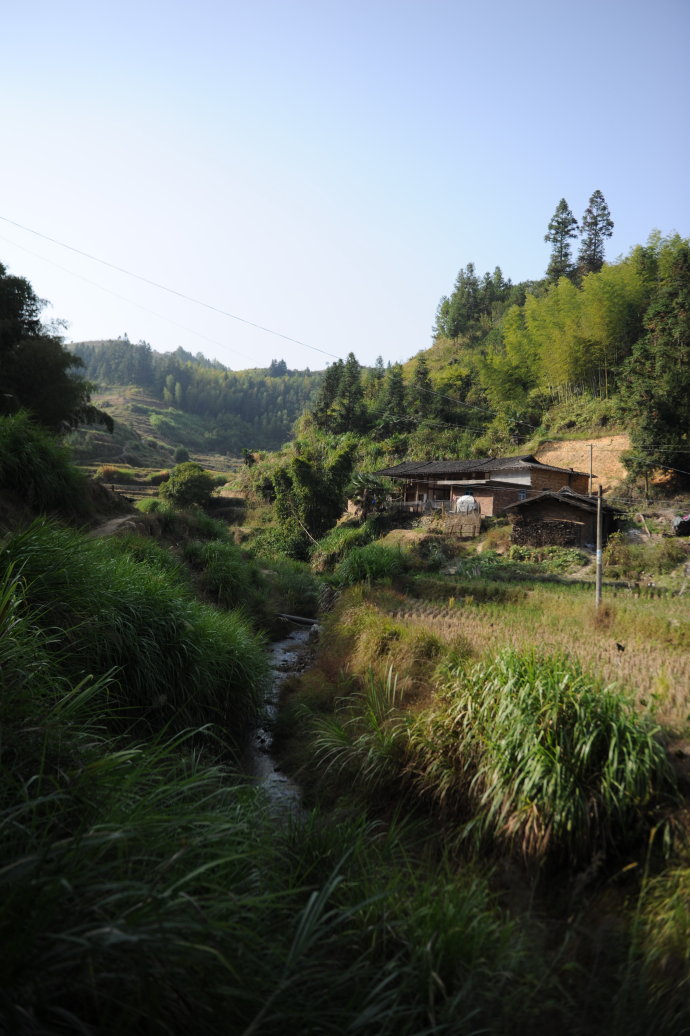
(496, 482)
(563, 519)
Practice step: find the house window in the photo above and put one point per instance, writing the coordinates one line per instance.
(522, 494)
(442, 493)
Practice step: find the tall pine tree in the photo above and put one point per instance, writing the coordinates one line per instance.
(596, 226)
(562, 228)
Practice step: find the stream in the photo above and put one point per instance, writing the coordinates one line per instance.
(286, 657)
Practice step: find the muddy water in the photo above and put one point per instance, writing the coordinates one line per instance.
(285, 657)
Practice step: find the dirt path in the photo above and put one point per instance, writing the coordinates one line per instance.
(126, 523)
(607, 466)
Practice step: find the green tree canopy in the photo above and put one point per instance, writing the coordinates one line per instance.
(657, 375)
(562, 228)
(36, 371)
(596, 226)
(188, 486)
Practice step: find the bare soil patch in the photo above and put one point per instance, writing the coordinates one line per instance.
(607, 467)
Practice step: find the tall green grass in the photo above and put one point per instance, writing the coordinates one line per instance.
(190, 523)
(371, 563)
(227, 577)
(664, 947)
(145, 891)
(293, 587)
(337, 543)
(365, 739)
(544, 760)
(175, 660)
(35, 468)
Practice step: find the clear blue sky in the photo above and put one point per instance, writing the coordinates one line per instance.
(324, 169)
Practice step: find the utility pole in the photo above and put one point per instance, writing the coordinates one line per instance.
(599, 559)
(591, 447)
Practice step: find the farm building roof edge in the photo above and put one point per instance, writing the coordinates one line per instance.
(565, 495)
(412, 469)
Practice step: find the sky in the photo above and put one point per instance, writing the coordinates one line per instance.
(258, 180)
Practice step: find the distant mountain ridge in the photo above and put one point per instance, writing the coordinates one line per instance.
(229, 411)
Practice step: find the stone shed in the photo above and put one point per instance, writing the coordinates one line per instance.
(563, 519)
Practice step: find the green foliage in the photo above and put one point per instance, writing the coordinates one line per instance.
(371, 563)
(294, 588)
(334, 546)
(549, 762)
(140, 880)
(569, 339)
(125, 616)
(657, 375)
(181, 455)
(366, 738)
(554, 559)
(36, 371)
(596, 225)
(472, 302)
(154, 556)
(309, 492)
(227, 577)
(37, 470)
(664, 938)
(207, 406)
(188, 486)
(632, 560)
(279, 541)
(562, 228)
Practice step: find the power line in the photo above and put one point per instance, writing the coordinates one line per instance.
(171, 291)
(124, 298)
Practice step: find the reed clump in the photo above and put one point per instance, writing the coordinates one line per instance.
(123, 615)
(541, 759)
(38, 471)
(370, 564)
(664, 946)
(337, 543)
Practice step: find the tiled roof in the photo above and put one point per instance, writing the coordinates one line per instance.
(565, 495)
(420, 469)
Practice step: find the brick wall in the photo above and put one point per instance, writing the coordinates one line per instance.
(556, 480)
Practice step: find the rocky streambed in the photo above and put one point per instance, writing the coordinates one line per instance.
(286, 657)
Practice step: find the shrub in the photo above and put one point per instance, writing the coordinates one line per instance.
(548, 761)
(110, 473)
(188, 486)
(553, 558)
(37, 470)
(366, 737)
(174, 660)
(296, 589)
(278, 542)
(229, 578)
(181, 455)
(370, 563)
(334, 546)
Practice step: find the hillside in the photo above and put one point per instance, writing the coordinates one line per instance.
(145, 434)
(607, 466)
(199, 403)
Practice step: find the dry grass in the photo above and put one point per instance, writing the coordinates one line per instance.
(643, 645)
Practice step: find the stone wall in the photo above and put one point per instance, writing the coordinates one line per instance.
(534, 532)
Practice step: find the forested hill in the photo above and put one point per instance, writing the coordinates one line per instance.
(588, 347)
(250, 409)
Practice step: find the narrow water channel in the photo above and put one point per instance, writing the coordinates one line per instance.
(286, 656)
